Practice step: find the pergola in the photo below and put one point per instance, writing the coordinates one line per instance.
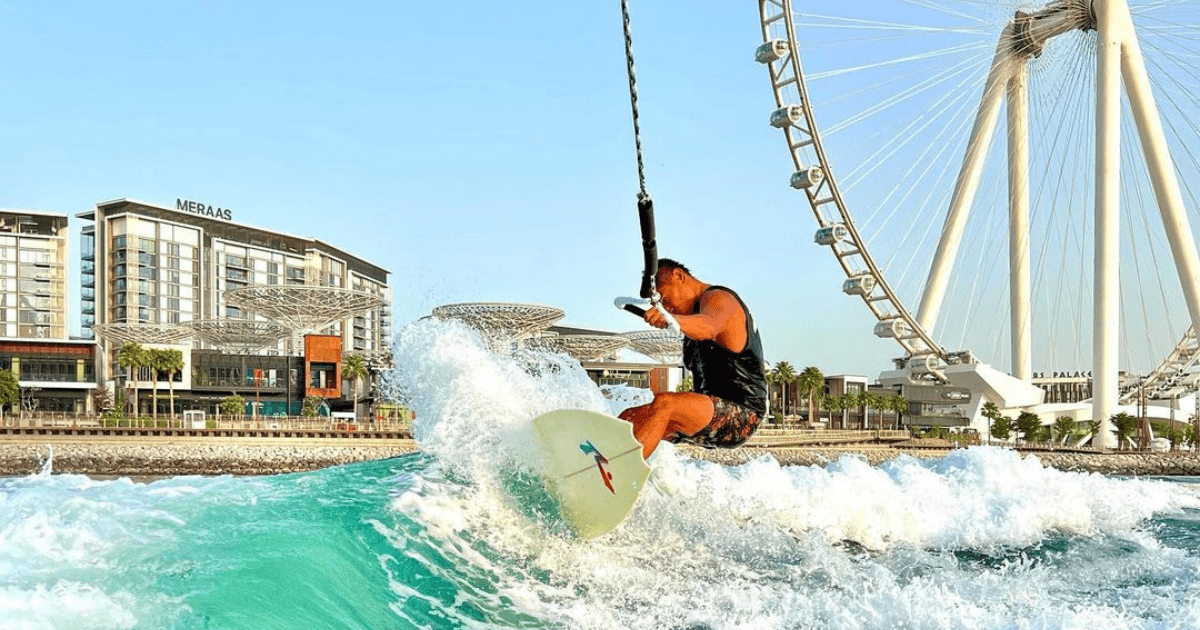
(238, 335)
(502, 323)
(665, 346)
(169, 334)
(302, 308)
(581, 347)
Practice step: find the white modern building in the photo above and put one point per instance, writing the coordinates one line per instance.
(150, 264)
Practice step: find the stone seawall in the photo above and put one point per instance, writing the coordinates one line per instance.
(1171, 464)
(215, 458)
(165, 460)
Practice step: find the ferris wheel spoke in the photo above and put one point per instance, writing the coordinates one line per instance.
(815, 20)
(942, 8)
(927, 161)
(1131, 233)
(911, 132)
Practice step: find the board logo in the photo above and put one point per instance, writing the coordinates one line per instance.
(590, 449)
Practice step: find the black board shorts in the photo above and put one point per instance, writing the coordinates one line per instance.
(731, 426)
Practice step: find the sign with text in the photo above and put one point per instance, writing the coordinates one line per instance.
(204, 210)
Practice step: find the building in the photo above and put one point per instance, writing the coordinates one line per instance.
(840, 385)
(143, 263)
(614, 367)
(55, 373)
(1065, 387)
(937, 405)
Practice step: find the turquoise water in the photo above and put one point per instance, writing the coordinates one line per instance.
(450, 538)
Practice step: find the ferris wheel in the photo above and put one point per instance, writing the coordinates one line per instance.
(1001, 180)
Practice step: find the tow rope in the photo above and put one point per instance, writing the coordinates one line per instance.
(645, 205)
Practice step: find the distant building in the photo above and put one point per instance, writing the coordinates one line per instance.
(55, 373)
(613, 370)
(1065, 387)
(840, 385)
(144, 263)
(936, 405)
(152, 264)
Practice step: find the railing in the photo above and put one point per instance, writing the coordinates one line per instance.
(222, 422)
(786, 437)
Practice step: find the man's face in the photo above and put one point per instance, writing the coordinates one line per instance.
(670, 288)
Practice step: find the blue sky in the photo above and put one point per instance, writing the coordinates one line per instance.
(480, 151)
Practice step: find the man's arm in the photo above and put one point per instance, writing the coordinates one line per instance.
(718, 310)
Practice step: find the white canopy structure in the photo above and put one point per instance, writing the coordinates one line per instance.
(581, 347)
(167, 334)
(238, 335)
(665, 346)
(502, 323)
(302, 308)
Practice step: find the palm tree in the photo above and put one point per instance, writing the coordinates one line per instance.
(811, 381)
(1126, 425)
(834, 404)
(1064, 427)
(772, 381)
(354, 368)
(131, 357)
(10, 390)
(991, 412)
(153, 359)
(899, 404)
(784, 375)
(884, 403)
(850, 401)
(172, 362)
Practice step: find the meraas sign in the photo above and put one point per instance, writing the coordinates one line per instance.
(203, 209)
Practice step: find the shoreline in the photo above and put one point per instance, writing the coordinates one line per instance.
(151, 457)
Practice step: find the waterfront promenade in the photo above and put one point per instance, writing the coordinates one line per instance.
(259, 449)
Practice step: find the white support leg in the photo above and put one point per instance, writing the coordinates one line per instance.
(1162, 169)
(1018, 225)
(1106, 311)
(966, 186)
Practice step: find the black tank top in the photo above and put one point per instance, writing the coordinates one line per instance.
(736, 377)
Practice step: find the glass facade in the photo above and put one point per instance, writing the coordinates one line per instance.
(154, 271)
(151, 264)
(33, 292)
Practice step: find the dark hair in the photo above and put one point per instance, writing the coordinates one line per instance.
(667, 264)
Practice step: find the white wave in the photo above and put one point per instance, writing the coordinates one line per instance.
(979, 539)
(65, 604)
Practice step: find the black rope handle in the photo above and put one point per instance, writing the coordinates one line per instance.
(644, 203)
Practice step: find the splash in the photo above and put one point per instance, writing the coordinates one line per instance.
(762, 545)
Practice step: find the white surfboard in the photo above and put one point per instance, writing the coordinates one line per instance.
(593, 466)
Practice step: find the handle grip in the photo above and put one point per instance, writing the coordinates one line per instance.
(639, 308)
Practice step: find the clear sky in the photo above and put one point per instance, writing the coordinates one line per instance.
(480, 151)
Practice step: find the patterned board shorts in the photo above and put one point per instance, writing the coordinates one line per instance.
(731, 426)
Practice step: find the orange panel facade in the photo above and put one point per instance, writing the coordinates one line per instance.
(660, 379)
(323, 366)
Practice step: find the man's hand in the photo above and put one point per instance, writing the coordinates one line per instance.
(659, 317)
(655, 317)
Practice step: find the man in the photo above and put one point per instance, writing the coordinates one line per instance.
(722, 350)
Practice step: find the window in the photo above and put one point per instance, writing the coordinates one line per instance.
(321, 375)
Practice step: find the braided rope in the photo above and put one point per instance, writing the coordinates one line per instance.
(633, 100)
